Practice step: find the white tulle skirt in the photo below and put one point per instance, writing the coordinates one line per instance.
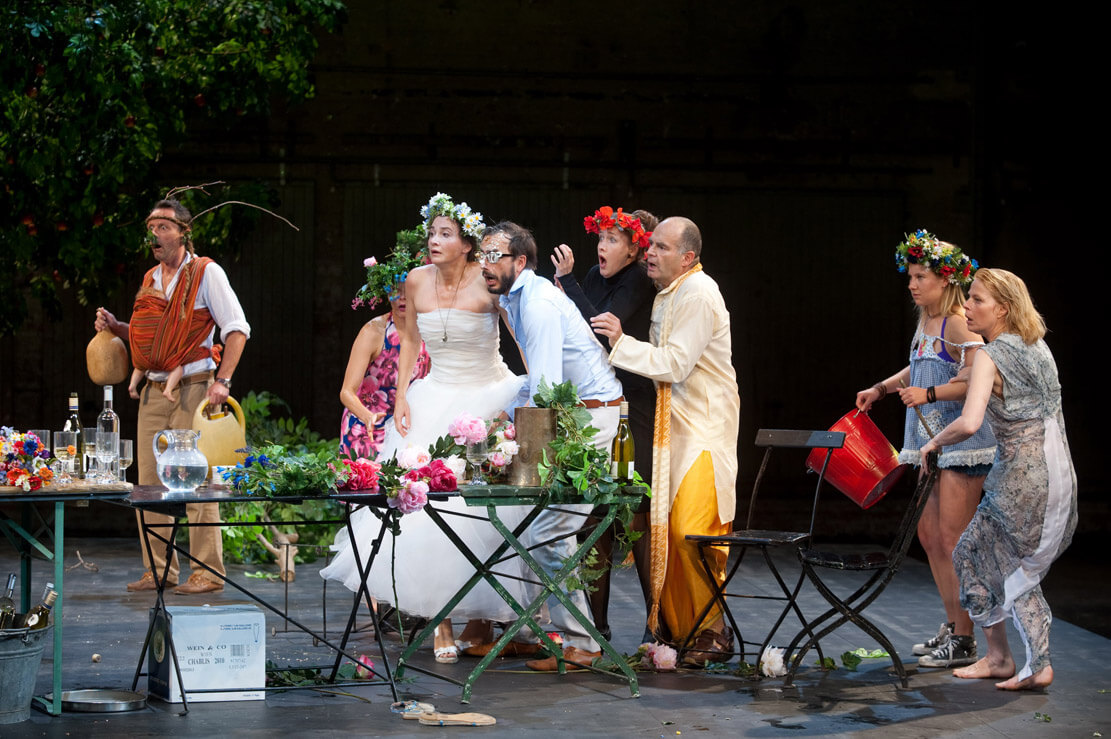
(423, 564)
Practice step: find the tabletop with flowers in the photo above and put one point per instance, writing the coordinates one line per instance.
(24, 461)
(406, 479)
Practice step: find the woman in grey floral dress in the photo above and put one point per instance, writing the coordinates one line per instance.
(1028, 514)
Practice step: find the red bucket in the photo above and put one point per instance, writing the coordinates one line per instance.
(866, 467)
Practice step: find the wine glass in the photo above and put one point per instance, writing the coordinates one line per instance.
(476, 455)
(89, 436)
(65, 450)
(107, 449)
(127, 456)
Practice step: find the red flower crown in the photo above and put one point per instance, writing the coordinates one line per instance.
(605, 218)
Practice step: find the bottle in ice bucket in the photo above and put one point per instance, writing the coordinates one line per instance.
(39, 616)
(622, 451)
(7, 605)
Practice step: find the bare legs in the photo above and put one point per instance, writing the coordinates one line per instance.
(950, 507)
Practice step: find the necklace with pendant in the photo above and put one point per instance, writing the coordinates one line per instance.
(440, 310)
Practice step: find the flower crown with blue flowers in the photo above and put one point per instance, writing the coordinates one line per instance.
(441, 204)
(944, 259)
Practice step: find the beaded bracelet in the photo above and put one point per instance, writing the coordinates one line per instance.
(881, 389)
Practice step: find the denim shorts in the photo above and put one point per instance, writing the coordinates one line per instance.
(972, 470)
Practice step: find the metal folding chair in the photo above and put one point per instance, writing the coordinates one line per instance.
(882, 565)
(764, 540)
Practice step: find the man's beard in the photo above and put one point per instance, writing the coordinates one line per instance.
(501, 285)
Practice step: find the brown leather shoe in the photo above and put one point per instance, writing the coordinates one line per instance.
(571, 655)
(197, 584)
(146, 582)
(512, 649)
(709, 646)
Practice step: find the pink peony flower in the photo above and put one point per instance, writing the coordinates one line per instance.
(497, 459)
(370, 262)
(441, 478)
(509, 431)
(412, 497)
(365, 668)
(411, 457)
(362, 474)
(467, 429)
(664, 658)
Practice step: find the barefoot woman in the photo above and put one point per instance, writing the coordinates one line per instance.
(1028, 513)
(942, 345)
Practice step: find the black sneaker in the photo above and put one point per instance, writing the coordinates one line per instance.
(957, 652)
(943, 634)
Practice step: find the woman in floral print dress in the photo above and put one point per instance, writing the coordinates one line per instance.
(1028, 514)
(370, 383)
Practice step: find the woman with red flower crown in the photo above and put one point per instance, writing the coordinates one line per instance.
(618, 284)
(943, 345)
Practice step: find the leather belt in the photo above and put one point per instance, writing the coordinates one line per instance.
(187, 380)
(594, 403)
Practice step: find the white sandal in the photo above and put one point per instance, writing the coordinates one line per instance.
(446, 655)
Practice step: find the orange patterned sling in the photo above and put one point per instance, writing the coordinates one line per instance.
(168, 333)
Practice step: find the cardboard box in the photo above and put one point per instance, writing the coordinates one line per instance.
(217, 647)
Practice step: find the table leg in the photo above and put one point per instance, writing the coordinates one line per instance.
(553, 587)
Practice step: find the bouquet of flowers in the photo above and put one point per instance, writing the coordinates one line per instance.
(24, 460)
(500, 438)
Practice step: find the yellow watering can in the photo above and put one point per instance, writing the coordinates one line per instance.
(221, 434)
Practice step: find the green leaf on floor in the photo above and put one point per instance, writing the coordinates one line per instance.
(850, 660)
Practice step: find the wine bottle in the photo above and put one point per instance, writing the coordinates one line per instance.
(622, 451)
(39, 616)
(73, 423)
(108, 422)
(7, 605)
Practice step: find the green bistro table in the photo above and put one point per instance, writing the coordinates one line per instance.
(493, 497)
(25, 534)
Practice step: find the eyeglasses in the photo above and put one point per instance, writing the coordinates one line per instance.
(489, 257)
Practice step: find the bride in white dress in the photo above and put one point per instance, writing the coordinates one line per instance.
(457, 317)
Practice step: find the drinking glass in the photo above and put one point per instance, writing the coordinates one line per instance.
(127, 456)
(43, 435)
(107, 449)
(476, 455)
(65, 451)
(89, 435)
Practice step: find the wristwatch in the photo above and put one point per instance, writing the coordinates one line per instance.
(226, 382)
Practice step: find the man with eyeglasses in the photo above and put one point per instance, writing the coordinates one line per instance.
(557, 345)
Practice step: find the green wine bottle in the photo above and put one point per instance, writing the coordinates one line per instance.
(622, 451)
(73, 423)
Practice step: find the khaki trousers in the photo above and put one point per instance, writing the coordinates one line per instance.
(155, 414)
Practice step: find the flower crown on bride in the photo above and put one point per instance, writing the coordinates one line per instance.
(441, 204)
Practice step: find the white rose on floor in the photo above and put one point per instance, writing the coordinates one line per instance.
(771, 662)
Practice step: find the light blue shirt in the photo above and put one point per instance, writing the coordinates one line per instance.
(557, 342)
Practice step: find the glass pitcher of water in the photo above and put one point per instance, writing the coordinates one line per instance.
(181, 466)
